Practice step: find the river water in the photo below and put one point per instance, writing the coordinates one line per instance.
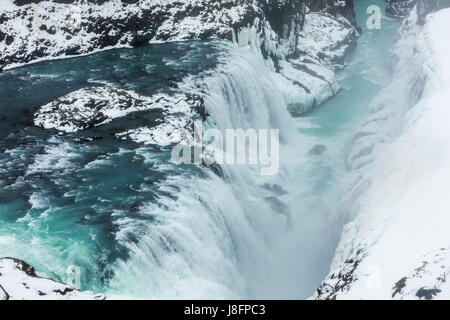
(134, 224)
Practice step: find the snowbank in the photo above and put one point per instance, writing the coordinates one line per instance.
(49, 30)
(90, 107)
(397, 246)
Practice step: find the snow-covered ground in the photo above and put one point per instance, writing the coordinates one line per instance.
(19, 281)
(397, 244)
(308, 80)
(89, 107)
(49, 30)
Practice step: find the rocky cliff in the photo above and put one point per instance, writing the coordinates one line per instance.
(32, 30)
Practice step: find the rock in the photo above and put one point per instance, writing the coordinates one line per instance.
(90, 107)
(317, 150)
(400, 8)
(275, 188)
(306, 78)
(42, 29)
(337, 8)
(341, 278)
(19, 281)
(427, 294)
(303, 47)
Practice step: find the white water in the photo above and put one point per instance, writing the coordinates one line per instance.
(207, 237)
(217, 239)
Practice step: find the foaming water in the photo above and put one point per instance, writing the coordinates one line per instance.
(136, 224)
(216, 237)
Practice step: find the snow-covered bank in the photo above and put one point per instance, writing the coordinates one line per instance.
(396, 245)
(89, 107)
(19, 281)
(42, 30)
(301, 46)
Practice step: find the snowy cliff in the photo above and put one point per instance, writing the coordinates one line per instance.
(18, 281)
(396, 244)
(36, 30)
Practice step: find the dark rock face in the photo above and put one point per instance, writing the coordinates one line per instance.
(427, 294)
(342, 279)
(402, 8)
(285, 16)
(343, 8)
(162, 114)
(25, 267)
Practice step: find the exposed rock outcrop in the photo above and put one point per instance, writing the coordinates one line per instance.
(337, 8)
(90, 107)
(402, 8)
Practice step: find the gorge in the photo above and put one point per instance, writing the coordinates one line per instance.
(87, 183)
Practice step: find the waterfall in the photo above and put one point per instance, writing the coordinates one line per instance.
(211, 236)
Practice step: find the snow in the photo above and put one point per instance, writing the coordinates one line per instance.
(49, 30)
(397, 245)
(18, 281)
(164, 134)
(324, 35)
(97, 106)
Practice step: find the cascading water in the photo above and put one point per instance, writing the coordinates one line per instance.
(158, 230)
(216, 240)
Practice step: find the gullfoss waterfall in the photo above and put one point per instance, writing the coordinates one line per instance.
(114, 209)
(136, 225)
